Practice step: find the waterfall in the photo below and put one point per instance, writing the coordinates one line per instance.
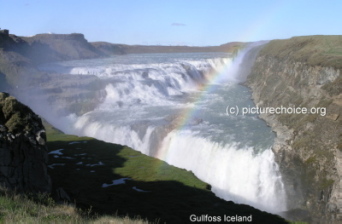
(157, 104)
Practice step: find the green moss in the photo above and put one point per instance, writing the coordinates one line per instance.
(310, 160)
(326, 183)
(17, 116)
(15, 123)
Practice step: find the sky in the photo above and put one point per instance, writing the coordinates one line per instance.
(176, 22)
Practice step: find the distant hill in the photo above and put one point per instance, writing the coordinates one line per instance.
(112, 49)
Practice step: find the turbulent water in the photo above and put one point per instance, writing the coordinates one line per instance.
(173, 107)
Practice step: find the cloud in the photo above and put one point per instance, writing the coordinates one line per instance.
(178, 24)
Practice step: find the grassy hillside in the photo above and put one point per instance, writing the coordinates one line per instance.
(154, 191)
(320, 50)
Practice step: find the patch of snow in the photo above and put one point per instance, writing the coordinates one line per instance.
(82, 154)
(71, 143)
(139, 190)
(97, 164)
(79, 163)
(56, 152)
(116, 182)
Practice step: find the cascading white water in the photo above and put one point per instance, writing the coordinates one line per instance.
(154, 106)
(235, 173)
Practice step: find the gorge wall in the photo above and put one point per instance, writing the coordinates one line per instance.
(305, 72)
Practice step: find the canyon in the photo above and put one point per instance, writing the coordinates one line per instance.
(297, 72)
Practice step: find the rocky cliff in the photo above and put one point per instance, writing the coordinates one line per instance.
(23, 153)
(61, 47)
(305, 72)
(19, 56)
(19, 75)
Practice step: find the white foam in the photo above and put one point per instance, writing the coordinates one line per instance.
(123, 135)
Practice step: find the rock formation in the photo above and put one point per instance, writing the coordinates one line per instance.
(305, 72)
(23, 153)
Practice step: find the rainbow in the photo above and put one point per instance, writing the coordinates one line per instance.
(188, 115)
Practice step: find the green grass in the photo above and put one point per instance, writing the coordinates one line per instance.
(24, 209)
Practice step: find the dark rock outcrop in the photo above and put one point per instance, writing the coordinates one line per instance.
(23, 153)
